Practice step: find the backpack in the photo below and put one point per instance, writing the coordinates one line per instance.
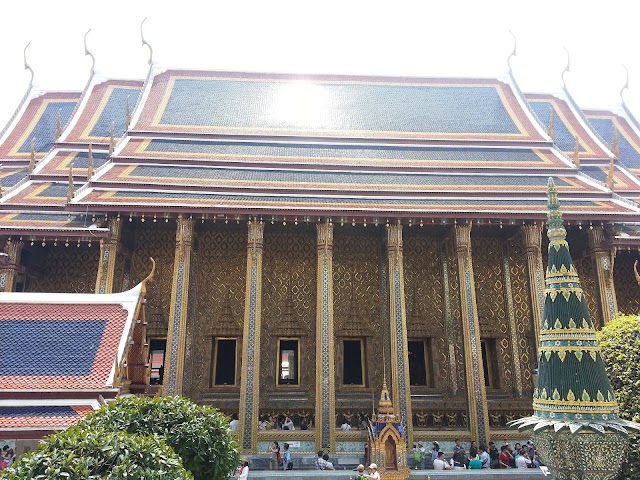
(417, 456)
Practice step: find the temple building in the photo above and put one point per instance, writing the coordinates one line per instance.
(314, 232)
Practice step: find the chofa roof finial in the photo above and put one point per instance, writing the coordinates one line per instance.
(87, 52)
(26, 64)
(626, 82)
(144, 42)
(90, 163)
(576, 153)
(551, 129)
(513, 52)
(32, 159)
(149, 278)
(567, 68)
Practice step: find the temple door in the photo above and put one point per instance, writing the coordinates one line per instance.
(390, 456)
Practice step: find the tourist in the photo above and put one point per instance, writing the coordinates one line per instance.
(484, 457)
(522, 459)
(8, 454)
(459, 460)
(458, 446)
(288, 424)
(274, 459)
(361, 475)
(475, 463)
(287, 463)
(494, 456)
(320, 462)
(233, 424)
(440, 463)
(345, 427)
(505, 457)
(327, 464)
(473, 450)
(373, 472)
(435, 450)
(244, 471)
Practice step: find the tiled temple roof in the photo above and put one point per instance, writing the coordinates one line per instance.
(72, 224)
(42, 417)
(604, 123)
(334, 106)
(37, 119)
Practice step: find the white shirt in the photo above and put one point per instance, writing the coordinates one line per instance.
(289, 425)
(485, 459)
(345, 426)
(244, 474)
(522, 462)
(375, 475)
(441, 465)
(233, 425)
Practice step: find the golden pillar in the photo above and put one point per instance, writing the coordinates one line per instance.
(400, 386)
(13, 250)
(532, 238)
(250, 377)
(108, 254)
(604, 273)
(325, 365)
(476, 392)
(176, 336)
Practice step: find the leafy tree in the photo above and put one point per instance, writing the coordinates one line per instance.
(199, 434)
(620, 342)
(94, 454)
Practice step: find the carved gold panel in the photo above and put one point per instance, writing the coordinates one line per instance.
(289, 303)
(523, 315)
(218, 265)
(424, 300)
(492, 307)
(157, 240)
(627, 289)
(587, 274)
(454, 323)
(357, 280)
(58, 268)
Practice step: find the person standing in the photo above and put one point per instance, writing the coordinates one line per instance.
(473, 450)
(287, 464)
(484, 457)
(320, 463)
(373, 472)
(435, 450)
(361, 475)
(523, 460)
(494, 456)
(505, 457)
(274, 460)
(243, 473)
(233, 424)
(327, 464)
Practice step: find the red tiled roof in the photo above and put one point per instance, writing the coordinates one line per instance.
(42, 417)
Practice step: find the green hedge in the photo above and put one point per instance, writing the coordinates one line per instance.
(81, 453)
(620, 342)
(199, 434)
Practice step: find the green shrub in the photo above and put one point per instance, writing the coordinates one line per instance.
(620, 342)
(94, 454)
(199, 434)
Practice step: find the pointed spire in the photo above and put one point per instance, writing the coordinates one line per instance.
(610, 175)
(551, 129)
(70, 191)
(127, 115)
(90, 163)
(112, 141)
(576, 153)
(32, 160)
(26, 64)
(615, 148)
(58, 126)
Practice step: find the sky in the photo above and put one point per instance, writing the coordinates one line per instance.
(401, 37)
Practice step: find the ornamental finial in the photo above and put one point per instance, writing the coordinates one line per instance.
(567, 68)
(551, 131)
(513, 52)
(615, 148)
(626, 83)
(87, 52)
(556, 230)
(32, 160)
(58, 126)
(610, 174)
(576, 153)
(90, 163)
(144, 42)
(26, 64)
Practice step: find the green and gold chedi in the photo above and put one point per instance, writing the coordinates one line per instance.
(575, 425)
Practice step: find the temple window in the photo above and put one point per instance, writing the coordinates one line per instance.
(157, 348)
(353, 363)
(490, 363)
(224, 361)
(421, 363)
(288, 361)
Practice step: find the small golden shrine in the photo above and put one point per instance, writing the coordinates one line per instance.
(387, 444)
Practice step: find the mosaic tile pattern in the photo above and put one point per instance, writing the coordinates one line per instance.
(63, 159)
(76, 345)
(211, 102)
(563, 136)
(628, 141)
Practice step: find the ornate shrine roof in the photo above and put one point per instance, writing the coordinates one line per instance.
(37, 119)
(334, 106)
(72, 224)
(42, 417)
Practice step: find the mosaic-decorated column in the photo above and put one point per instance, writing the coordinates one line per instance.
(532, 238)
(108, 254)
(325, 367)
(13, 249)
(250, 378)
(513, 332)
(604, 273)
(476, 393)
(398, 332)
(176, 336)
